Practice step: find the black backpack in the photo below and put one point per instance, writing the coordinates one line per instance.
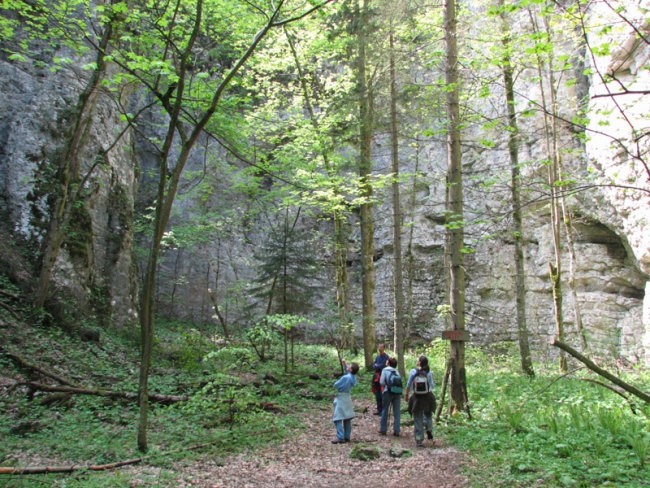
(421, 383)
(394, 383)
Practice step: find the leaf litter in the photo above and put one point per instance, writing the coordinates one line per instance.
(309, 459)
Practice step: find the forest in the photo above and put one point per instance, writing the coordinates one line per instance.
(207, 206)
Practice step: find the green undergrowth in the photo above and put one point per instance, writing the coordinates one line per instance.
(235, 402)
(550, 431)
(553, 430)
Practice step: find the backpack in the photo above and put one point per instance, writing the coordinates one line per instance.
(394, 383)
(421, 383)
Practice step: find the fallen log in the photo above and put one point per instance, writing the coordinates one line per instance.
(98, 467)
(600, 371)
(67, 469)
(23, 363)
(154, 397)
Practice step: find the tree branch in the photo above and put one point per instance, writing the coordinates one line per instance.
(596, 369)
(23, 363)
(164, 399)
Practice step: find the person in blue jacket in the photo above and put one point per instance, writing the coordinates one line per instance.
(343, 407)
(389, 399)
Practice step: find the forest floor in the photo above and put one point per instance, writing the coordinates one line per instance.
(311, 460)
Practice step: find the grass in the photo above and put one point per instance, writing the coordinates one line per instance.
(550, 431)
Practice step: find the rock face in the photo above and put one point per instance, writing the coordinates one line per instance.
(609, 213)
(94, 272)
(611, 242)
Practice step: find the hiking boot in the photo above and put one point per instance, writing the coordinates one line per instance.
(382, 433)
(396, 434)
(429, 435)
(419, 444)
(338, 441)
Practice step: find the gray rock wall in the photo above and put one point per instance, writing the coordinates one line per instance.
(612, 243)
(95, 268)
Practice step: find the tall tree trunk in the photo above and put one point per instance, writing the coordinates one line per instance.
(555, 266)
(513, 150)
(410, 262)
(455, 222)
(398, 285)
(168, 187)
(573, 262)
(367, 207)
(342, 282)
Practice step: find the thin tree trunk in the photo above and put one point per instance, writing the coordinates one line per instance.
(398, 288)
(167, 193)
(410, 264)
(367, 208)
(455, 222)
(555, 267)
(214, 298)
(177, 265)
(214, 294)
(573, 262)
(343, 282)
(513, 150)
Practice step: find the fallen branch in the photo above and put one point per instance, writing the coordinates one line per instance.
(10, 295)
(605, 374)
(612, 388)
(23, 363)
(10, 310)
(97, 467)
(164, 399)
(66, 469)
(106, 467)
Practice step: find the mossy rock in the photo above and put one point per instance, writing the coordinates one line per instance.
(398, 452)
(365, 453)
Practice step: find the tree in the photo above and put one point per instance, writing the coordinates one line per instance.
(455, 223)
(288, 270)
(513, 151)
(190, 106)
(366, 210)
(398, 279)
(554, 175)
(336, 205)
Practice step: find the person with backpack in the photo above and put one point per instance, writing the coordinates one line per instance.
(343, 407)
(378, 365)
(423, 402)
(391, 385)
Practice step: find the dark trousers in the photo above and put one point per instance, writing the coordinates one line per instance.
(378, 399)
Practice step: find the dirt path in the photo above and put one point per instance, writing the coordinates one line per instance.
(311, 460)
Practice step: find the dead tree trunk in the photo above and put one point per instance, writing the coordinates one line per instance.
(154, 397)
(596, 369)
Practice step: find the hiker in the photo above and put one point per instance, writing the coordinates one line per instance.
(423, 403)
(343, 407)
(391, 384)
(378, 366)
